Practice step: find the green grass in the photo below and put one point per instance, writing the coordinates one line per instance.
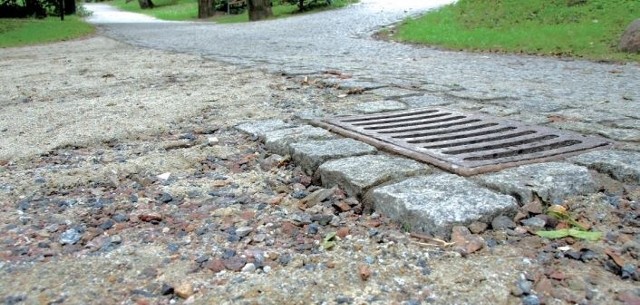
(164, 9)
(21, 32)
(188, 10)
(589, 29)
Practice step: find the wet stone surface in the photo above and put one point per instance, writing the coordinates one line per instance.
(621, 165)
(551, 182)
(356, 175)
(309, 155)
(278, 141)
(435, 203)
(379, 106)
(261, 127)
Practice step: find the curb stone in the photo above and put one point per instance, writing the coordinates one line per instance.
(435, 203)
(278, 141)
(260, 128)
(309, 155)
(621, 165)
(552, 182)
(356, 175)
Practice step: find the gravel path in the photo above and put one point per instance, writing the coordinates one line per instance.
(124, 181)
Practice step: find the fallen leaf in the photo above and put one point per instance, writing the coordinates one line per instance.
(554, 234)
(615, 257)
(327, 242)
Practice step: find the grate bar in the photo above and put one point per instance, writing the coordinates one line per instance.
(509, 143)
(382, 123)
(469, 140)
(471, 132)
(438, 129)
(466, 144)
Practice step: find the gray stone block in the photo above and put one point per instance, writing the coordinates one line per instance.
(260, 128)
(621, 165)
(379, 106)
(309, 155)
(435, 203)
(391, 92)
(278, 141)
(552, 182)
(356, 175)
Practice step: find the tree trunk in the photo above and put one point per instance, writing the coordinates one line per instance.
(144, 4)
(69, 7)
(259, 9)
(205, 8)
(301, 5)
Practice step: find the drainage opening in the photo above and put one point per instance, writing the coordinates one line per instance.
(466, 144)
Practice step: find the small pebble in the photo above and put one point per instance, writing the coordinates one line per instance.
(312, 229)
(115, 239)
(165, 197)
(534, 222)
(531, 299)
(184, 290)
(502, 223)
(166, 289)
(628, 271)
(70, 237)
(525, 286)
(249, 268)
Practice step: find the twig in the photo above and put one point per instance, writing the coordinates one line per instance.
(441, 243)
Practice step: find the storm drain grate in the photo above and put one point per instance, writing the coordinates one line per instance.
(466, 144)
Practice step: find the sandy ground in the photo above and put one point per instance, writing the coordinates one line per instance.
(87, 127)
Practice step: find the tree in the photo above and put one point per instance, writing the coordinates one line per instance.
(205, 8)
(144, 4)
(259, 9)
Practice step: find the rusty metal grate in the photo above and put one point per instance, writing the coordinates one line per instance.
(466, 144)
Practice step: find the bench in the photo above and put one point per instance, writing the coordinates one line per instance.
(236, 6)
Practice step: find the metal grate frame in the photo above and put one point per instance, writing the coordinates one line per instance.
(466, 144)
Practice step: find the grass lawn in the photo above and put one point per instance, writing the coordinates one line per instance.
(579, 28)
(20, 32)
(188, 10)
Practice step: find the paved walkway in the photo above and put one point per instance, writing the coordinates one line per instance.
(588, 97)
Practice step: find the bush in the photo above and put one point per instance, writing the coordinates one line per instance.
(34, 8)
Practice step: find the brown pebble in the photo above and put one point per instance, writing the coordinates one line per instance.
(520, 216)
(216, 265)
(342, 232)
(142, 302)
(289, 228)
(276, 200)
(184, 290)
(478, 227)
(544, 286)
(557, 275)
(465, 241)
(364, 272)
(235, 263)
(150, 217)
(628, 297)
(342, 206)
(374, 223)
(533, 207)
